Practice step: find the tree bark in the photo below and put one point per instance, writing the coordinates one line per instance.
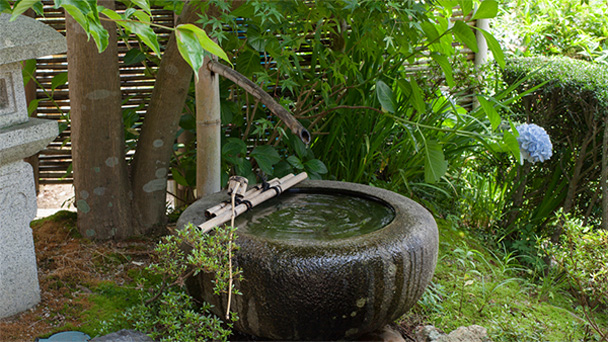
(155, 145)
(98, 150)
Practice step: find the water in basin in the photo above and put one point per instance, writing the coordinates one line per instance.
(315, 216)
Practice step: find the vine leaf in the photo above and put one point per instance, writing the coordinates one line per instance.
(435, 165)
(385, 96)
(465, 34)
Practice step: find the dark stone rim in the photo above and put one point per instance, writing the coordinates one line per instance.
(390, 268)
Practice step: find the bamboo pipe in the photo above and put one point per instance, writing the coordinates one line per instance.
(259, 93)
(256, 190)
(241, 208)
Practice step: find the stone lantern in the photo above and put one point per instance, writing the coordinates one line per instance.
(20, 137)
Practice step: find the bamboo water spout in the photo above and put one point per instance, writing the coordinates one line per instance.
(224, 216)
(259, 93)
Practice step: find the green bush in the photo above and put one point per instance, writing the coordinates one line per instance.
(165, 311)
(582, 258)
(571, 104)
(572, 28)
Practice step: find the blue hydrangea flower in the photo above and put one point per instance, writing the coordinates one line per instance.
(534, 143)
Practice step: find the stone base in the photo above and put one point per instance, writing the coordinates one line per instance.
(19, 289)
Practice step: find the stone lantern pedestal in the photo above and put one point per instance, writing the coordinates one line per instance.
(20, 137)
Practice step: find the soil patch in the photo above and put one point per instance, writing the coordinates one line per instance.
(69, 266)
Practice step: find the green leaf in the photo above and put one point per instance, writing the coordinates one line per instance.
(295, 162)
(133, 56)
(417, 99)
(78, 11)
(266, 156)
(142, 16)
(466, 6)
(143, 4)
(512, 145)
(147, 36)
(205, 42)
(234, 147)
(248, 62)
(85, 13)
(282, 169)
(21, 7)
(59, 80)
(315, 166)
(465, 34)
(5, 6)
(28, 70)
(435, 165)
(187, 121)
(190, 49)
(487, 9)
(142, 28)
(494, 46)
(445, 65)
(430, 31)
(100, 35)
(490, 111)
(33, 106)
(178, 178)
(385, 96)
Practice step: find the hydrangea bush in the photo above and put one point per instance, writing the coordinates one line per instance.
(534, 143)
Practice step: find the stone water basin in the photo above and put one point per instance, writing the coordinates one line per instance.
(326, 260)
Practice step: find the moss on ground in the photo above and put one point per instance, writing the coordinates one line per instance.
(474, 286)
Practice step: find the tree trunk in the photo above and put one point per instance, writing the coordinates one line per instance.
(155, 144)
(100, 170)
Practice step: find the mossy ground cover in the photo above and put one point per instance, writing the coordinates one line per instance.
(475, 286)
(84, 283)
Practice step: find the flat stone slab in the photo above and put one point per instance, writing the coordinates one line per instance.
(26, 38)
(24, 140)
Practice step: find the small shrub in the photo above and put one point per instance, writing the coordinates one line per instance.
(570, 102)
(165, 311)
(582, 258)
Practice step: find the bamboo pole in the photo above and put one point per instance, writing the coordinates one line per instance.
(241, 208)
(259, 93)
(256, 190)
(208, 133)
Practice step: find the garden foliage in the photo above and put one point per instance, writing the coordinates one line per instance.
(582, 258)
(165, 311)
(346, 72)
(571, 105)
(572, 28)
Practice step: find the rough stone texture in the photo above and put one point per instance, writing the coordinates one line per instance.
(19, 288)
(386, 334)
(26, 38)
(428, 333)
(24, 140)
(13, 107)
(323, 290)
(20, 137)
(124, 336)
(473, 333)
